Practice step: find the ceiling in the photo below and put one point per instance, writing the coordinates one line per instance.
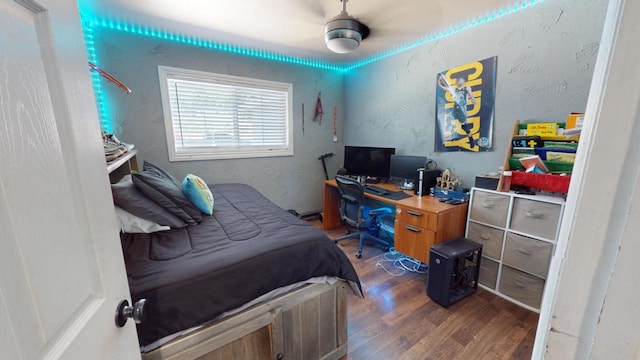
(295, 27)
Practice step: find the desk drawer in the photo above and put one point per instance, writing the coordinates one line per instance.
(490, 238)
(490, 208)
(535, 218)
(528, 254)
(417, 218)
(413, 241)
(521, 286)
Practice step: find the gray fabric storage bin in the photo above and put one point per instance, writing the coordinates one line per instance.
(523, 287)
(490, 208)
(488, 273)
(535, 218)
(527, 254)
(490, 238)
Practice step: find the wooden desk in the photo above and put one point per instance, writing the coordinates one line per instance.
(420, 221)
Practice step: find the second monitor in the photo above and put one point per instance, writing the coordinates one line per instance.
(405, 167)
(368, 161)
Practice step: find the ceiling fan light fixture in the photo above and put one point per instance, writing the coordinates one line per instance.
(343, 41)
(343, 35)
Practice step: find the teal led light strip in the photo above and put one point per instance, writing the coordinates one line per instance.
(443, 34)
(204, 43)
(91, 24)
(103, 113)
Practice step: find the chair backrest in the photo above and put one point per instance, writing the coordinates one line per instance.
(351, 200)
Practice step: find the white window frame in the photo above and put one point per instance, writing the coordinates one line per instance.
(231, 152)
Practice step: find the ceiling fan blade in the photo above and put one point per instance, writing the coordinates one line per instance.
(394, 33)
(311, 11)
(384, 24)
(385, 12)
(309, 41)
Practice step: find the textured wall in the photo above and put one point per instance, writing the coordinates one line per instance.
(291, 182)
(545, 64)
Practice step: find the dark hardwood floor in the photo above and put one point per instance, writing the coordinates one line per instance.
(397, 320)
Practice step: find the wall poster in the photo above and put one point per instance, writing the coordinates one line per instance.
(465, 98)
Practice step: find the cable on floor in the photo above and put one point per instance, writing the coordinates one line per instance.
(400, 264)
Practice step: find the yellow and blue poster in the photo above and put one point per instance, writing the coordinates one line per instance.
(465, 99)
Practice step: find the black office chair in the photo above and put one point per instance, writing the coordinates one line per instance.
(366, 222)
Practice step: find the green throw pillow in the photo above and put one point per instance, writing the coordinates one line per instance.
(198, 193)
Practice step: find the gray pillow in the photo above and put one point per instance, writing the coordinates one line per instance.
(149, 167)
(128, 197)
(165, 191)
(192, 210)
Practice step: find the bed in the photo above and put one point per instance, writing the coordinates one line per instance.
(251, 281)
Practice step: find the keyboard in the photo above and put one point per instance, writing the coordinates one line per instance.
(376, 190)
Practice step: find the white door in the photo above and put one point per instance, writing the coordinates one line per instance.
(61, 266)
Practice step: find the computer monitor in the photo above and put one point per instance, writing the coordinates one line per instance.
(368, 161)
(405, 167)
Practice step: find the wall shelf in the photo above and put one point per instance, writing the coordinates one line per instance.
(123, 165)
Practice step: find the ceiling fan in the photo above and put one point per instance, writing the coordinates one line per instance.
(344, 33)
(377, 22)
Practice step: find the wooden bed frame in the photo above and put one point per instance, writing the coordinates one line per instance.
(306, 323)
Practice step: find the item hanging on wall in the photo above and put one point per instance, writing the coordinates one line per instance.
(465, 98)
(319, 112)
(109, 77)
(302, 118)
(335, 124)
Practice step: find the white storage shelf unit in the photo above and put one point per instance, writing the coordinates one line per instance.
(518, 234)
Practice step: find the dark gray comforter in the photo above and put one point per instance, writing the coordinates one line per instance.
(247, 248)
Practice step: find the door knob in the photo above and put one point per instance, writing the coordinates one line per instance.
(135, 312)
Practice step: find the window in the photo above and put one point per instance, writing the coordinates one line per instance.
(214, 116)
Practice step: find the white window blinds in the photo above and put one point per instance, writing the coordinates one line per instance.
(218, 116)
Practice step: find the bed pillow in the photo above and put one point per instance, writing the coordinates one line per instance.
(149, 167)
(198, 193)
(190, 210)
(132, 224)
(163, 190)
(127, 196)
